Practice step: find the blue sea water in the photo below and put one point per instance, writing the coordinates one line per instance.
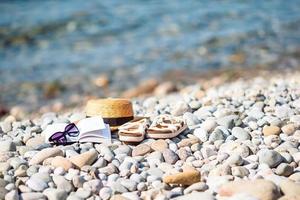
(54, 40)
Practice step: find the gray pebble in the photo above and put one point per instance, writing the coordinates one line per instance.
(270, 157)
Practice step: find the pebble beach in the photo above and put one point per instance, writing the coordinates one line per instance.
(242, 142)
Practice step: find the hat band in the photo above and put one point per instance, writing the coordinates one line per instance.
(117, 121)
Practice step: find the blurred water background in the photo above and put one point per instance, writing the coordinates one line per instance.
(71, 42)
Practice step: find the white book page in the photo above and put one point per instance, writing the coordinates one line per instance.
(90, 124)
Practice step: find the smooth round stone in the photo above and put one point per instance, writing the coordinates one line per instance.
(12, 195)
(200, 187)
(240, 171)
(271, 130)
(62, 183)
(93, 185)
(100, 163)
(288, 129)
(270, 157)
(36, 184)
(78, 181)
(7, 146)
(59, 171)
(123, 149)
(55, 194)
(284, 169)
(141, 186)
(21, 171)
(105, 193)
(33, 196)
(83, 194)
(6, 126)
(113, 178)
(209, 125)
(125, 166)
(173, 146)
(16, 162)
(170, 156)
(129, 184)
(195, 147)
(240, 133)
(43, 176)
(195, 104)
(216, 135)
(202, 134)
(235, 160)
(137, 178)
(159, 145)
(118, 188)
(183, 154)
(32, 170)
(179, 108)
(191, 119)
(227, 121)
(140, 150)
(208, 152)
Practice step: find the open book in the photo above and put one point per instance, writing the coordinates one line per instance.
(91, 129)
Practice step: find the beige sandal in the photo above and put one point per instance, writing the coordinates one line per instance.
(133, 131)
(166, 126)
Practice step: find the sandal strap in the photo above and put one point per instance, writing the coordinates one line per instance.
(134, 128)
(167, 123)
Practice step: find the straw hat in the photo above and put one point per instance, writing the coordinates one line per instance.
(114, 111)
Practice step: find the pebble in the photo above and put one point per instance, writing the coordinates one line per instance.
(199, 187)
(86, 158)
(183, 154)
(6, 126)
(36, 184)
(33, 196)
(7, 146)
(196, 196)
(123, 149)
(60, 161)
(240, 133)
(93, 185)
(240, 171)
(55, 194)
(209, 125)
(12, 195)
(271, 130)
(284, 169)
(217, 134)
(105, 193)
(290, 188)
(159, 145)
(83, 194)
(140, 150)
(129, 184)
(260, 189)
(117, 188)
(44, 154)
(288, 129)
(202, 134)
(62, 183)
(184, 178)
(35, 142)
(180, 108)
(16, 162)
(270, 157)
(235, 160)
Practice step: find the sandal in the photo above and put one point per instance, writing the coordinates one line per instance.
(166, 126)
(134, 131)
